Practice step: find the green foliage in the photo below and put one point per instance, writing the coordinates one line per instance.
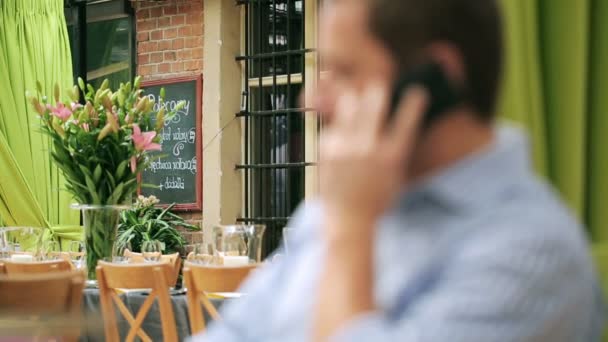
(145, 222)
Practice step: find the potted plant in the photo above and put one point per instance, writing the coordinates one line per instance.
(101, 145)
(146, 222)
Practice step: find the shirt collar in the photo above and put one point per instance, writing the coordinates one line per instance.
(477, 178)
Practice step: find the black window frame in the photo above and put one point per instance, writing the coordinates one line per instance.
(80, 13)
(265, 202)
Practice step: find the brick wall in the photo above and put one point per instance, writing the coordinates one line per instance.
(169, 45)
(169, 38)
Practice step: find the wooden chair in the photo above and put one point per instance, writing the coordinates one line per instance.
(57, 295)
(200, 279)
(172, 259)
(112, 277)
(11, 267)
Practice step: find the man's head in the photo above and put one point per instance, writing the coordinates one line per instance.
(363, 41)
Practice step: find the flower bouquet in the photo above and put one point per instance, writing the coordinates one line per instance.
(101, 146)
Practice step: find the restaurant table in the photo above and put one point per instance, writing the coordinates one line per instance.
(151, 325)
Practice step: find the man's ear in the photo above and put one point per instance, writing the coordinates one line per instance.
(450, 59)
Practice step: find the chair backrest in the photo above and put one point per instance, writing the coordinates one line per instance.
(217, 278)
(172, 259)
(112, 277)
(57, 295)
(200, 279)
(13, 267)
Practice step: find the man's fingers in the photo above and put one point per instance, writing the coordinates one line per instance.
(409, 118)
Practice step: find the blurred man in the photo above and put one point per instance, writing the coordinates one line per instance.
(424, 230)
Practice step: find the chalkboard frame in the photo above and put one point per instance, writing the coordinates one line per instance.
(198, 205)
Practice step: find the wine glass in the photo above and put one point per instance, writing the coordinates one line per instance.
(151, 250)
(76, 250)
(118, 252)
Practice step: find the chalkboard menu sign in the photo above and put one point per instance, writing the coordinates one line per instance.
(176, 170)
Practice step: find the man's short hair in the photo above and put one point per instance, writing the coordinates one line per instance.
(474, 27)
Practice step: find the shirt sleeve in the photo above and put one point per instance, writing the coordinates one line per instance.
(245, 319)
(506, 288)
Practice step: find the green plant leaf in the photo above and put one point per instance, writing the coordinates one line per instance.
(97, 174)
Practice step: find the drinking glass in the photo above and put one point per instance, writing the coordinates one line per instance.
(204, 253)
(151, 250)
(76, 251)
(118, 253)
(239, 245)
(50, 250)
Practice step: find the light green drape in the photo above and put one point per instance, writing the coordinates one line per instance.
(555, 85)
(34, 46)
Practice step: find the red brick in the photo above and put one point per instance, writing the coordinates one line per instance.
(147, 47)
(177, 66)
(170, 9)
(193, 42)
(146, 25)
(156, 35)
(156, 12)
(147, 70)
(143, 58)
(164, 45)
(143, 14)
(169, 56)
(184, 31)
(156, 57)
(192, 65)
(197, 30)
(164, 22)
(164, 68)
(170, 33)
(184, 8)
(184, 54)
(143, 36)
(197, 53)
(194, 19)
(178, 43)
(178, 20)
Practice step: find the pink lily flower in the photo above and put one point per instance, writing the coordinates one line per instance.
(75, 106)
(85, 126)
(60, 111)
(143, 141)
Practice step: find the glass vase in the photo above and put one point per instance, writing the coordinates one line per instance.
(100, 231)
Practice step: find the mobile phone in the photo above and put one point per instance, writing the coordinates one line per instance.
(443, 95)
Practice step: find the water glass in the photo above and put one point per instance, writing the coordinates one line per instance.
(50, 250)
(76, 250)
(239, 245)
(205, 254)
(151, 250)
(118, 253)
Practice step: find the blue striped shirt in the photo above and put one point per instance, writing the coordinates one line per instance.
(483, 251)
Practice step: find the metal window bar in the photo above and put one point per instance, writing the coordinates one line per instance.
(274, 150)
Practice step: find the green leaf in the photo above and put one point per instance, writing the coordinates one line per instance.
(111, 179)
(97, 174)
(120, 171)
(92, 190)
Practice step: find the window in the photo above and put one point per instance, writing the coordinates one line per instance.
(275, 130)
(102, 40)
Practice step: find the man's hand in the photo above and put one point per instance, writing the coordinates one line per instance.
(364, 158)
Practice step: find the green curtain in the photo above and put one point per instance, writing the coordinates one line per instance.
(34, 45)
(556, 74)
